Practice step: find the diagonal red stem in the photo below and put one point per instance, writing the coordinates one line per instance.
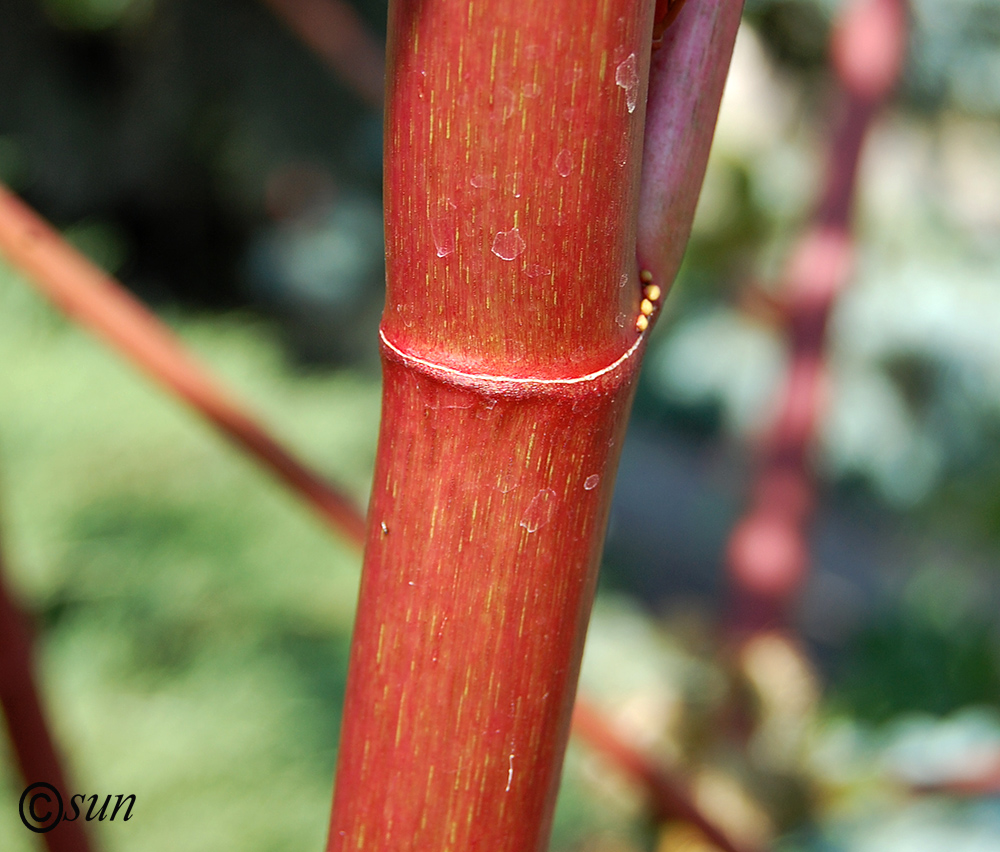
(667, 795)
(93, 299)
(340, 38)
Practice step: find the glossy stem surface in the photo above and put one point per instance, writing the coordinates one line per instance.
(514, 137)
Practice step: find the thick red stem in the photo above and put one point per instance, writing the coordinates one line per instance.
(472, 613)
(68, 284)
(262, 448)
(510, 347)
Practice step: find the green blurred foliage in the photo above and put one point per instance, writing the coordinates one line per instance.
(934, 653)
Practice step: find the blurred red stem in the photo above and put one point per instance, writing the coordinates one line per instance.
(33, 744)
(768, 552)
(667, 795)
(985, 783)
(837, 200)
(338, 35)
(91, 298)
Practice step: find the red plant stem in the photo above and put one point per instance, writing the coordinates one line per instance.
(768, 552)
(464, 662)
(666, 794)
(92, 299)
(98, 309)
(258, 449)
(509, 351)
(34, 747)
(335, 31)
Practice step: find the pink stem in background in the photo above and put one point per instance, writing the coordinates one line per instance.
(768, 554)
(984, 782)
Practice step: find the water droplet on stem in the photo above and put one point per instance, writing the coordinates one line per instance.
(508, 244)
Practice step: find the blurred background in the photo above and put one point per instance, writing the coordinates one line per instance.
(193, 618)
